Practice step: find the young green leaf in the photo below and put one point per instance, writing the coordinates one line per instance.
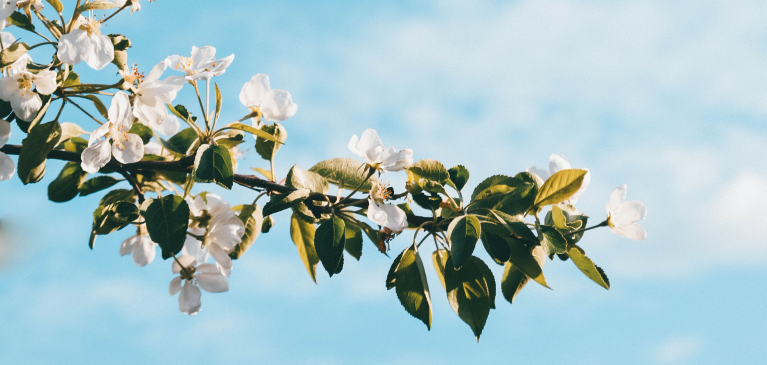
(280, 202)
(594, 272)
(463, 233)
(97, 183)
(67, 184)
(329, 241)
(180, 142)
(512, 283)
(302, 179)
(344, 173)
(552, 240)
(167, 220)
(408, 277)
(302, 234)
(459, 175)
(427, 170)
(34, 150)
(214, 164)
(252, 217)
(142, 131)
(560, 187)
(267, 147)
(353, 244)
(218, 102)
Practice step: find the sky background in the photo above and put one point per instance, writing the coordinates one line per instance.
(667, 97)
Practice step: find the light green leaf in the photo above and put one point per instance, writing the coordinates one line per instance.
(560, 187)
(302, 234)
(66, 185)
(218, 102)
(491, 181)
(302, 179)
(280, 202)
(96, 5)
(345, 173)
(256, 132)
(97, 183)
(513, 282)
(72, 79)
(266, 173)
(552, 240)
(214, 164)
(467, 290)
(459, 175)
(353, 244)
(12, 52)
(56, 4)
(329, 241)
(252, 217)
(425, 171)
(463, 233)
(180, 142)
(167, 220)
(267, 147)
(408, 277)
(594, 272)
(34, 151)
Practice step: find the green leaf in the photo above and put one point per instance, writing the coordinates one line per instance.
(489, 280)
(119, 42)
(302, 234)
(266, 173)
(142, 131)
(463, 233)
(180, 142)
(124, 212)
(512, 283)
(425, 171)
(21, 20)
(459, 175)
(516, 227)
(329, 241)
(266, 148)
(12, 53)
(34, 151)
(167, 220)
(345, 173)
(408, 277)
(467, 289)
(302, 179)
(280, 202)
(69, 130)
(179, 111)
(552, 240)
(566, 218)
(97, 183)
(112, 213)
(428, 202)
(5, 109)
(495, 245)
(96, 5)
(252, 217)
(594, 272)
(353, 244)
(56, 4)
(523, 259)
(213, 164)
(560, 187)
(66, 186)
(72, 79)
(102, 109)
(521, 199)
(491, 181)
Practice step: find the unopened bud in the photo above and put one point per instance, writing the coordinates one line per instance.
(267, 225)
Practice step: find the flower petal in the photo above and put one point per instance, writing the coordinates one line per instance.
(99, 132)
(370, 146)
(278, 105)
(222, 64)
(396, 219)
(558, 163)
(212, 283)
(73, 46)
(207, 269)
(175, 286)
(632, 231)
(255, 90)
(127, 246)
(26, 105)
(221, 257)
(5, 131)
(203, 56)
(189, 299)
(96, 156)
(156, 72)
(376, 214)
(144, 251)
(169, 126)
(629, 212)
(128, 150)
(616, 198)
(119, 109)
(45, 82)
(102, 52)
(7, 167)
(186, 260)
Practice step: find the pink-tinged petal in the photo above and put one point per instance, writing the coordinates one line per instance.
(376, 214)
(278, 105)
(175, 286)
(26, 105)
(96, 156)
(616, 198)
(212, 283)
(186, 260)
(97, 133)
(169, 126)
(629, 212)
(396, 219)
(7, 167)
(127, 246)
(632, 231)
(119, 108)
(156, 72)
(73, 47)
(5, 132)
(102, 52)
(189, 299)
(255, 90)
(371, 146)
(558, 163)
(45, 82)
(128, 150)
(144, 252)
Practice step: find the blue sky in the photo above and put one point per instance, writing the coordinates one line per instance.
(667, 97)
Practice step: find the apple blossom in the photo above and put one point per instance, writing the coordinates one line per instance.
(622, 216)
(142, 247)
(201, 64)
(223, 230)
(558, 163)
(386, 215)
(135, 6)
(151, 96)
(126, 147)
(7, 167)
(7, 7)
(191, 275)
(371, 149)
(86, 43)
(274, 104)
(21, 63)
(18, 89)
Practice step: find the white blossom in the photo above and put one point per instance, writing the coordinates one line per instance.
(201, 64)
(21, 63)
(151, 96)
(126, 147)
(385, 214)
(622, 216)
(206, 276)
(135, 6)
(275, 104)
(86, 43)
(558, 163)
(141, 246)
(19, 90)
(222, 230)
(7, 7)
(7, 167)
(371, 149)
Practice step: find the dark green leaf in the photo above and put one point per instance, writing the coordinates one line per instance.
(524, 260)
(489, 280)
(353, 244)
(513, 282)
(266, 148)
(119, 42)
(463, 233)
(21, 20)
(280, 202)
(552, 240)
(459, 175)
(34, 151)
(180, 142)
(302, 234)
(329, 241)
(495, 245)
(214, 164)
(428, 202)
(97, 183)
(167, 220)
(491, 181)
(5, 109)
(66, 185)
(408, 278)
(345, 173)
(467, 289)
(142, 131)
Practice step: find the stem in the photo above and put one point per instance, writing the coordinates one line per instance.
(81, 109)
(63, 103)
(134, 183)
(372, 171)
(199, 99)
(72, 21)
(207, 99)
(117, 11)
(603, 224)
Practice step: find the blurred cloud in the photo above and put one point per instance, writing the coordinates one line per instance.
(678, 350)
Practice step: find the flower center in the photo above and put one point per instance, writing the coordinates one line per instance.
(186, 64)
(187, 273)
(203, 220)
(91, 26)
(25, 82)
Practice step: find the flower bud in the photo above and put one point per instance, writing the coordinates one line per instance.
(267, 225)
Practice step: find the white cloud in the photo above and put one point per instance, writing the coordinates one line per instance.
(677, 350)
